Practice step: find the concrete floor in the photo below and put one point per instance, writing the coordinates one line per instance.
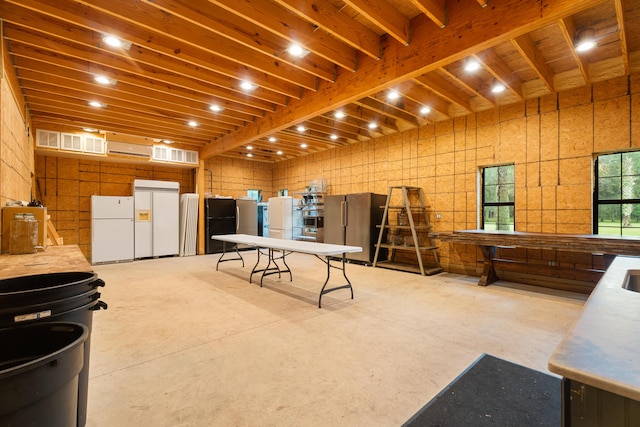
(182, 344)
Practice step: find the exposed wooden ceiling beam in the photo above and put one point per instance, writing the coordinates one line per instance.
(502, 22)
(334, 127)
(29, 57)
(84, 93)
(179, 101)
(469, 83)
(385, 16)
(79, 43)
(115, 114)
(270, 16)
(568, 29)
(624, 44)
(221, 22)
(533, 56)
(387, 109)
(445, 89)
(434, 9)
(424, 97)
(324, 14)
(185, 107)
(155, 22)
(169, 46)
(367, 116)
(495, 65)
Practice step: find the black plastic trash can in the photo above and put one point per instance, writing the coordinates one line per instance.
(54, 297)
(39, 370)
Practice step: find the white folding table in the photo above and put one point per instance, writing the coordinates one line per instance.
(277, 249)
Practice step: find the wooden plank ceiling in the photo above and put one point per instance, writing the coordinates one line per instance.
(183, 59)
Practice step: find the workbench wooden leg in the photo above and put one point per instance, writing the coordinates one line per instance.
(489, 274)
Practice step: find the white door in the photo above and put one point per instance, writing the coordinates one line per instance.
(166, 223)
(143, 217)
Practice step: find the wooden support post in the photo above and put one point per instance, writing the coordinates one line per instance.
(489, 274)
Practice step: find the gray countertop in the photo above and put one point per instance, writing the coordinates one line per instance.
(602, 348)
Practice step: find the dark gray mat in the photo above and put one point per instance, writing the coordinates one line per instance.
(494, 392)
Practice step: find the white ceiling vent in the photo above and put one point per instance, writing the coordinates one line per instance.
(129, 149)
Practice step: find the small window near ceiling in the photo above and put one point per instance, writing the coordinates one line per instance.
(617, 194)
(498, 197)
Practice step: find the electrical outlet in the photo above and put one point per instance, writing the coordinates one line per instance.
(438, 216)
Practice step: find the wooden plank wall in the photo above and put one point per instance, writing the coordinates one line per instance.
(551, 140)
(233, 177)
(65, 187)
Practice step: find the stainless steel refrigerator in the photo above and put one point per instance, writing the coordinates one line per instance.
(352, 220)
(247, 217)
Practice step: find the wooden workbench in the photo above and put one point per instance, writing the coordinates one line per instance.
(54, 259)
(489, 240)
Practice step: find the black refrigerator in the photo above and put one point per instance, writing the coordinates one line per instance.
(353, 220)
(220, 218)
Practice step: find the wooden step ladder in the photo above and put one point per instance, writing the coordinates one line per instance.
(398, 237)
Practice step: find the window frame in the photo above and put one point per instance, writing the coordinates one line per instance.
(484, 204)
(596, 187)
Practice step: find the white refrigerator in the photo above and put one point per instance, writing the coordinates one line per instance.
(157, 218)
(280, 213)
(111, 229)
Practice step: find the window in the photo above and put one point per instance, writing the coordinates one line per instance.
(498, 198)
(617, 194)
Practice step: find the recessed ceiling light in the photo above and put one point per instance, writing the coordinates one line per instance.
(303, 145)
(297, 50)
(339, 114)
(91, 130)
(585, 40)
(249, 147)
(249, 155)
(425, 110)
(471, 65)
(497, 87)
(373, 125)
(167, 141)
(115, 42)
(215, 108)
(112, 41)
(393, 95)
(272, 139)
(192, 123)
(279, 153)
(334, 136)
(301, 128)
(96, 104)
(247, 85)
(104, 80)
(585, 45)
